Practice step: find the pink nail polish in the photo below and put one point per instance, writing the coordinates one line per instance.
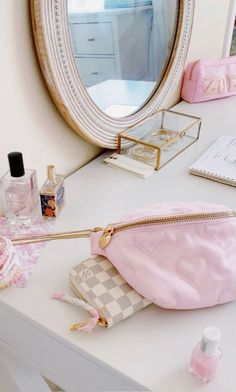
(206, 355)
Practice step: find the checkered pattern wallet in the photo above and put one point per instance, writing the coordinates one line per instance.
(98, 282)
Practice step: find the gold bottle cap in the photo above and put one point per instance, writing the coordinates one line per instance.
(51, 172)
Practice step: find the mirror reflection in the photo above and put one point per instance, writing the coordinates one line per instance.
(121, 48)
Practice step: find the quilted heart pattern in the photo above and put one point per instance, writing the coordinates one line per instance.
(148, 242)
(227, 296)
(218, 234)
(192, 269)
(180, 264)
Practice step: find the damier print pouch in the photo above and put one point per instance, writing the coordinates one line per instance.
(98, 282)
(102, 291)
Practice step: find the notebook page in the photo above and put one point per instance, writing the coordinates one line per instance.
(219, 160)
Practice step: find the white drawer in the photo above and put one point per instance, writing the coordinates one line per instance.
(93, 38)
(94, 70)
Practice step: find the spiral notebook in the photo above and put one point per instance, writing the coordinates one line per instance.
(218, 163)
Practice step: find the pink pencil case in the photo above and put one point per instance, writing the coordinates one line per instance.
(205, 80)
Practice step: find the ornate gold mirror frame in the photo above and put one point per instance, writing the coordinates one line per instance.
(51, 34)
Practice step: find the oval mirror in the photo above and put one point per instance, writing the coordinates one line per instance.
(111, 63)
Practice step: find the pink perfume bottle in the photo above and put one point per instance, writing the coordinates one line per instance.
(206, 355)
(20, 191)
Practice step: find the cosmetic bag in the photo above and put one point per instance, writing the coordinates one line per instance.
(102, 291)
(205, 80)
(176, 255)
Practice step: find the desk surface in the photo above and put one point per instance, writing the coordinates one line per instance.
(151, 349)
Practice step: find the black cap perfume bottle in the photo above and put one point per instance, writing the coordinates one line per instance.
(16, 164)
(20, 191)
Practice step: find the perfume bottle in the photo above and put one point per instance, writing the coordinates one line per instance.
(206, 355)
(20, 191)
(52, 193)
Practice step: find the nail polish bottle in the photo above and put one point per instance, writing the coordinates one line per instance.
(20, 191)
(206, 355)
(52, 193)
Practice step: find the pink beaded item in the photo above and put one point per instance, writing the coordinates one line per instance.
(17, 262)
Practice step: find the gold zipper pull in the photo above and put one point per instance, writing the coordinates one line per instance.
(75, 326)
(101, 321)
(105, 237)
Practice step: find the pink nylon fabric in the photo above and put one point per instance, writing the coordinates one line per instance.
(177, 266)
(205, 80)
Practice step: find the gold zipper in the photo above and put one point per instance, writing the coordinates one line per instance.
(161, 220)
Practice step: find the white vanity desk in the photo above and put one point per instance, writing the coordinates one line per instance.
(151, 349)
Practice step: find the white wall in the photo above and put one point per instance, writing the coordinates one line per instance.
(209, 28)
(29, 120)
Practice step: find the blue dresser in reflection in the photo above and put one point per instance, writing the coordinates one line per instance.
(112, 43)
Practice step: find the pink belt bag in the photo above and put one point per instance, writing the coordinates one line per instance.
(205, 80)
(176, 255)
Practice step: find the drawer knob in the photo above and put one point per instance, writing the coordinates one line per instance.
(94, 73)
(91, 39)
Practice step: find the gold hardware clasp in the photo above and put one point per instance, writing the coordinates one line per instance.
(75, 326)
(106, 237)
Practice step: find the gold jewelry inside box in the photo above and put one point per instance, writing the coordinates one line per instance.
(163, 134)
(144, 153)
(167, 136)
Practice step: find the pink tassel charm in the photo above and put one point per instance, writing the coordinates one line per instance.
(86, 326)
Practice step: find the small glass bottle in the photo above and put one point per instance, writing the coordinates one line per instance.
(20, 191)
(52, 193)
(206, 355)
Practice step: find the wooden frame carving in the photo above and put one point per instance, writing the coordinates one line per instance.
(50, 29)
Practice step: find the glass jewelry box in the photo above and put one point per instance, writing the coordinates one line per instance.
(159, 138)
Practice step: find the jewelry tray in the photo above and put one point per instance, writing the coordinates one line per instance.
(158, 139)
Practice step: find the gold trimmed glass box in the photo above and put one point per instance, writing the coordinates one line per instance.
(159, 138)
